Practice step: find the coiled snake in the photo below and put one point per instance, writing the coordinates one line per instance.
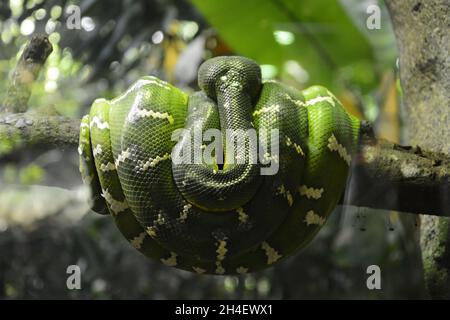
(218, 218)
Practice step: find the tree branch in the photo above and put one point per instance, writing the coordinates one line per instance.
(413, 176)
(22, 130)
(27, 70)
(389, 176)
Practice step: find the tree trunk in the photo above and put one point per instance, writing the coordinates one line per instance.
(422, 32)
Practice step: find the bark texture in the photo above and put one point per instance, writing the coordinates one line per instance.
(422, 34)
(401, 178)
(26, 72)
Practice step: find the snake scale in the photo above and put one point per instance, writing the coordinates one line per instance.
(220, 217)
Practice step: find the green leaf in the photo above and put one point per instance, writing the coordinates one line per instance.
(317, 34)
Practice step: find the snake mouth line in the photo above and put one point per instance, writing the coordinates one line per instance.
(251, 146)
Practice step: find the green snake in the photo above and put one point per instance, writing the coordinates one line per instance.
(219, 217)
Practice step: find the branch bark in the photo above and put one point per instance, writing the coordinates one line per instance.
(389, 176)
(21, 130)
(26, 72)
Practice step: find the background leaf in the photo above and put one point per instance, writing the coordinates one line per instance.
(319, 35)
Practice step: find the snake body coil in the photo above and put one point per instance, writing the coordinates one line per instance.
(213, 217)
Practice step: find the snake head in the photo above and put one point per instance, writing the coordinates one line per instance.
(222, 72)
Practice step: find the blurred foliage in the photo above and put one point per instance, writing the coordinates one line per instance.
(300, 42)
(309, 40)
